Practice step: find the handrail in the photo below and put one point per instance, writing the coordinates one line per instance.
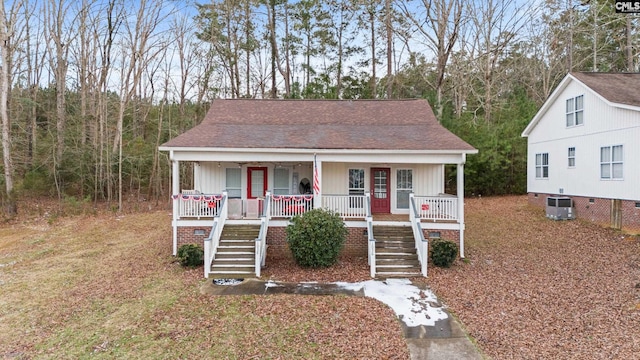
(261, 240)
(371, 240)
(211, 243)
(422, 245)
(437, 208)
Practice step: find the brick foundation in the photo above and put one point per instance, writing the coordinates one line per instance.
(186, 235)
(355, 245)
(598, 210)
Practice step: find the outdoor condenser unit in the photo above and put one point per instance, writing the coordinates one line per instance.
(560, 208)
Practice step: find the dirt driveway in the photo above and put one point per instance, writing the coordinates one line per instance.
(533, 288)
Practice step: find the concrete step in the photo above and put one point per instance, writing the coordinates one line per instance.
(397, 274)
(231, 275)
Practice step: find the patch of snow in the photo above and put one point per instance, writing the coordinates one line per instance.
(271, 283)
(412, 305)
(227, 281)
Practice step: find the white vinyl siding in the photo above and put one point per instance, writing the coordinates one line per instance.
(611, 162)
(542, 166)
(575, 111)
(404, 187)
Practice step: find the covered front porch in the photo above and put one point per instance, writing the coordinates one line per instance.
(266, 194)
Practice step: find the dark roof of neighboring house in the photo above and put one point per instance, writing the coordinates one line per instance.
(321, 124)
(621, 88)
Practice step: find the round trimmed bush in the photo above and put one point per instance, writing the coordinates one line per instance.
(191, 255)
(443, 252)
(316, 238)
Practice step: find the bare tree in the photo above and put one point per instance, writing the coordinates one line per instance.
(56, 15)
(8, 42)
(438, 25)
(497, 25)
(139, 50)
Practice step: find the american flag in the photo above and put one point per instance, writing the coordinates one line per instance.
(316, 177)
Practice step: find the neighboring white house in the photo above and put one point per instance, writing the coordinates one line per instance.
(584, 143)
(259, 162)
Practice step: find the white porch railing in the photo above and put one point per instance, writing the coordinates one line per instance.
(444, 207)
(211, 243)
(348, 206)
(290, 205)
(193, 205)
(261, 241)
(422, 245)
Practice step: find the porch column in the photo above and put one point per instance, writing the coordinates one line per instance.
(317, 183)
(460, 191)
(175, 190)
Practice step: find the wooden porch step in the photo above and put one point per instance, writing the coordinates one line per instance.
(395, 252)
(235, 257)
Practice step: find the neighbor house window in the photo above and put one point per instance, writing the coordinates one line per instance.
(571, 157)
(281, 181)
(404, 187)
(233, 182)
(575, 110)
(542, 166)
(611, 161)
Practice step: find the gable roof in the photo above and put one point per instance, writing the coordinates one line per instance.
(616, 89)
(320, 124)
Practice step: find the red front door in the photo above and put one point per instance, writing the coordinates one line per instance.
(380, 199)
(256, 182)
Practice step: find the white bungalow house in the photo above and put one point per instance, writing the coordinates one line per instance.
(584, 143)
(379, 163)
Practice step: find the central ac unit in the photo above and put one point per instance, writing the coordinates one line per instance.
(560, 208)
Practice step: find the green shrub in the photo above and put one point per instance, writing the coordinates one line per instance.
(316, 238)
(443, 252)
(191, 255)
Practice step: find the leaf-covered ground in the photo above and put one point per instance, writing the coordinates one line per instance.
(533, 288)
(107, 287)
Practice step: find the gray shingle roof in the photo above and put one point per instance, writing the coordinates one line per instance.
(321, 124)
(621, 88)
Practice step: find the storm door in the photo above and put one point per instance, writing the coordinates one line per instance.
(380, 199)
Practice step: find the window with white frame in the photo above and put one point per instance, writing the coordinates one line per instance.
(575, 111)
(571, 157)
(404, 187)
(281, 181)
(542, 166)
(356, 181)
(611, 162)
(233, 182)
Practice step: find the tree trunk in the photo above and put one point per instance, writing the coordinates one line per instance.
(10, 206)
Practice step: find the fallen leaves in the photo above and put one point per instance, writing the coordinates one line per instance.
(533, 288)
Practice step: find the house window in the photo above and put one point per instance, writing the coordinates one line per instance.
(356, 181)
(281, 181)
(404, 187)
(542, 166)
(233, 182)
(611, 162)
(575, 111)
(571, 156)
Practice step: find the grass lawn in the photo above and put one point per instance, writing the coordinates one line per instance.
(104, 286)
